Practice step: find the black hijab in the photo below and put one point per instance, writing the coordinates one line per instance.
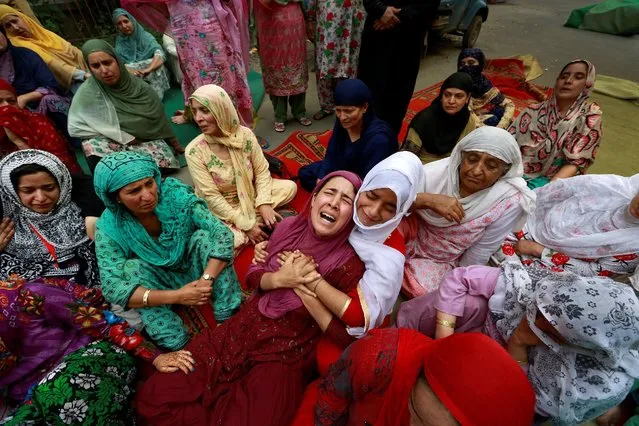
(438, 130)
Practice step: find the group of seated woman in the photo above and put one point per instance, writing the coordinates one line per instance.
(323, 284)
(117, 109)
(558, 138)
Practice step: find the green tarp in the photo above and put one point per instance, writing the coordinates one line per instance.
(620, 17)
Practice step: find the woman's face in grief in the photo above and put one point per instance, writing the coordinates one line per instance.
(124, 25)
(39, 192)
(7, 98)
(350, 116)
(453, 100)
(468, 62)
(478, 171)
(376, 206)
(104, 67)
(633, 209)
(204, 119)
(140, 197)
(571, 81)
(15, 27)
(426, 409)
(332, 207)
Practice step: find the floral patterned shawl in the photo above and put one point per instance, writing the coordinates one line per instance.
(600, 320)
(549, 141)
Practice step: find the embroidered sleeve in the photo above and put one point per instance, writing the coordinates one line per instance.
(207, 189)
(261, 173)
(111, 262)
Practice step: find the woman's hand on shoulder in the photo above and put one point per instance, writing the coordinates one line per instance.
(6, 232)
(444, 205)
(174, 361)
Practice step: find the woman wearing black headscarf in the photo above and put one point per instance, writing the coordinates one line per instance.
(435, 130)
(360, 139)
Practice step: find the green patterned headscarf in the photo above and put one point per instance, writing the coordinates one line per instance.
(129, 106)
(176, 201)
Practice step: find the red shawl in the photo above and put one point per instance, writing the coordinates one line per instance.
(36, 131)
(472, 375)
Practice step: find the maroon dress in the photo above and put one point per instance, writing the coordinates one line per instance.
(252, 370)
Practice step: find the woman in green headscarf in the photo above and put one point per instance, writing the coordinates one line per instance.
(141, 53)
(114, 111)
(158, 245)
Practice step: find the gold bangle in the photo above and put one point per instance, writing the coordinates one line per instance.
(446, 323)
(145, 298)
(521, 362)
(315, 288)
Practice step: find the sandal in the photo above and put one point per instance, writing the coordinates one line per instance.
(279, 127)
(322, 114)
(304, 121)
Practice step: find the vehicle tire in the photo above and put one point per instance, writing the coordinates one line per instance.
(472, 33)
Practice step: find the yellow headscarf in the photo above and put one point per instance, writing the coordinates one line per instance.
(61, 57)
(237, 138)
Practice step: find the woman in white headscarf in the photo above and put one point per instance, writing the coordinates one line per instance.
(588, 225)
(468, 204)
(387, 193)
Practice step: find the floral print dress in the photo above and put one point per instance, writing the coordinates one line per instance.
(609, 266)
(63, 356)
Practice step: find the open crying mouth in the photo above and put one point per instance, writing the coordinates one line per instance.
(327, 217)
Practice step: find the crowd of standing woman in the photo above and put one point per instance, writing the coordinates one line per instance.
(120, 295)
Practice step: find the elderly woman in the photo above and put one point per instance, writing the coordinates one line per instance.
(142, 54)
(487, 102)
(575, 337)
(229, 169)
(588, 225)
(158, 245)
(64, 60)
(359, 141)
(34, 83)
(23, 129)
(559, 138)
(253, 368)
(65, 335)
(469, 203)
(435, 130)
(400, 377)
(115, 111)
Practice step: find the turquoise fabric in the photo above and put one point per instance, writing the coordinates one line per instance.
(139, 46)
(176, 200)
(537, 182)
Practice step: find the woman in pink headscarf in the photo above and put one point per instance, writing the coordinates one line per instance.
(252, 370)
(212, 41)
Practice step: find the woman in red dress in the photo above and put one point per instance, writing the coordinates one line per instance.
(252, 370)
(23, 129)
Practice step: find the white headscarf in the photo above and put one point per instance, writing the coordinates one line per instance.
(402, 173)
(587, 216)
(598, 317)
(442, 177)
